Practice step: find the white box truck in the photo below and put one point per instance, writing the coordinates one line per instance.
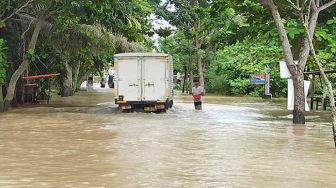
(143, 80)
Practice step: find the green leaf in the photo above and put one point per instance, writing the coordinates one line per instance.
(3, 60)
(332, 21)
(230, 11)
(30, 54)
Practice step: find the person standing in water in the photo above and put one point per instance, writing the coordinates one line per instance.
(110, 78)
(197, 93)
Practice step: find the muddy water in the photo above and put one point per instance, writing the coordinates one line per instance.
(233, 142)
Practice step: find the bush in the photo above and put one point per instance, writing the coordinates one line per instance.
(229, 73)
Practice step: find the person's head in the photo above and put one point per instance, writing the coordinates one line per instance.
(196, 83)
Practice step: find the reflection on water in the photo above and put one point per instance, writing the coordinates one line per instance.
(230, 143)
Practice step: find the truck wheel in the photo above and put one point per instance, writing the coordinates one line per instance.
(167, 105)
(171, 104)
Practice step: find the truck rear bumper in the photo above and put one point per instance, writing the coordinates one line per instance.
(146, 105)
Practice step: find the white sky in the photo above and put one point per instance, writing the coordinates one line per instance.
(160, 23)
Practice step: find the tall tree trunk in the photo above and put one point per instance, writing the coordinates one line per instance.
(299, 99)
(295, 70)
(197, 27)
(75, 77)
(185, 78)
(67, 81)
(16, 75)
(19, 93)
(198, 52)
(191, 75)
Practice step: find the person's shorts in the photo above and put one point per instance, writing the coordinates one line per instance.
(197, 103)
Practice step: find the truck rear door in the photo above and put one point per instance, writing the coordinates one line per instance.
(128, 78)
(154, 77)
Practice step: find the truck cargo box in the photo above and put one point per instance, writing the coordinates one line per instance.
(144, 80)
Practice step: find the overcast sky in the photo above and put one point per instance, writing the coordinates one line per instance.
(160, 23)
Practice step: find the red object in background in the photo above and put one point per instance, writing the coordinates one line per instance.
(40, 76)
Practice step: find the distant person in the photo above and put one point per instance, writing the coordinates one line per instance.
(110, 78)
(197, 93)
(178, 77)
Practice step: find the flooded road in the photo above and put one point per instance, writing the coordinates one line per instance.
(233, 142)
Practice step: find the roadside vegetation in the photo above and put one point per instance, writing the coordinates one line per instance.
(219, 42)
(238, 38)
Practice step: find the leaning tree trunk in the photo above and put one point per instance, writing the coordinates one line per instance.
(326, 80)
(67, 81)
(16, 75)
(80, 80)
(299, 99)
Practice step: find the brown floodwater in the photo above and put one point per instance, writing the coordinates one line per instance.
(82, 141)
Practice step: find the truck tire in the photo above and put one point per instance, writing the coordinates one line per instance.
(171, 104)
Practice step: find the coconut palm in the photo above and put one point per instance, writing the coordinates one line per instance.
(35, 17)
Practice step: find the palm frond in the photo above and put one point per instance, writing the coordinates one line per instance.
(117, 40)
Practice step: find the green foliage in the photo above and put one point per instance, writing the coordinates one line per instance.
(325, 42)
(127, 17)
(238, 38)
(239, 86)
(3, 60)
(228, 62)
(180, 48)
(30, 54)
(229, 73)
(230, 11)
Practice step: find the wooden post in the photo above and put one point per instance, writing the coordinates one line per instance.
(267, 94)
(312, 91)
